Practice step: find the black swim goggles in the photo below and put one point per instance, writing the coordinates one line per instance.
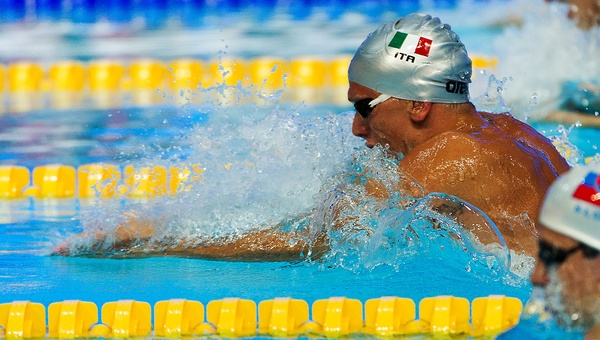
(364, 108)
(550, 255)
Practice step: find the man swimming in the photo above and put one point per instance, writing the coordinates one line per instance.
(409, 85)
(569, 255)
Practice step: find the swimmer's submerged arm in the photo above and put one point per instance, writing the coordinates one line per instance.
(134, 239)
(137, 236)
(260, 245)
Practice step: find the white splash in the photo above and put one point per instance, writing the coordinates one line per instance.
(543, 54)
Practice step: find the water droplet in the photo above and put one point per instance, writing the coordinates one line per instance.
(534, 98)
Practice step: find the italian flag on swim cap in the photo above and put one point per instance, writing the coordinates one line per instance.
(411, 44)
(404, 49)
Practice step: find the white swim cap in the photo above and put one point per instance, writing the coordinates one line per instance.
(414, 58)
(572, 205)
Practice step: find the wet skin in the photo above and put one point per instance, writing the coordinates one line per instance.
(493, 161)
(580, 279)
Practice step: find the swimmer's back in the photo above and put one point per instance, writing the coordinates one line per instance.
(502, 167)
(527, 135)
(487, 167)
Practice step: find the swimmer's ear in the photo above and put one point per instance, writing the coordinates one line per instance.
(419, 110)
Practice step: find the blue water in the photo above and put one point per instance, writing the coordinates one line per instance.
(31, 227)
(165, 135)
(585, 138)
(46, 279)
(76, 137)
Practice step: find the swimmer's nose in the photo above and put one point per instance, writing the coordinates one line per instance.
(359, 127)
(539, 277)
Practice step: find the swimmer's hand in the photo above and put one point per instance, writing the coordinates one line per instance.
(132, 230)
(61, 250)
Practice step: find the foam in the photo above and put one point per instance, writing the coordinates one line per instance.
(541, 55)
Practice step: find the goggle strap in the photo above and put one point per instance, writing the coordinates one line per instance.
(382, 97)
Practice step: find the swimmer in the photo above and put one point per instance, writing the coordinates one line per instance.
(409, 84)
(569, 255)
(586, 13)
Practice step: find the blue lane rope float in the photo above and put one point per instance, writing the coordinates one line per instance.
(280, 317)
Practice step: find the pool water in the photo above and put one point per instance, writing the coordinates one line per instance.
(265, 162)
(359, 268)
(28, 276)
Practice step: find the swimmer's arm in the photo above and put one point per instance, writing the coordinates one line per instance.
(260, 245)
(134, 239)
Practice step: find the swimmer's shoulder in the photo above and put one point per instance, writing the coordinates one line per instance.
(466, 166)
(447, 144)
(455, 163)
(448, 152)
(508, 123)
(515, 128)
(526, 135)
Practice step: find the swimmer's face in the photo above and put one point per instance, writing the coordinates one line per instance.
(385, 124)
(578, 274)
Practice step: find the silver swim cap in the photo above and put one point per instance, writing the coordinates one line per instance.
(414, 58)
(572, 205)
